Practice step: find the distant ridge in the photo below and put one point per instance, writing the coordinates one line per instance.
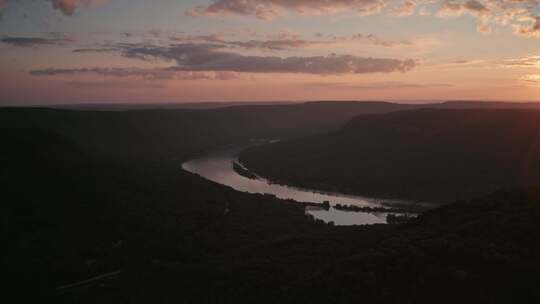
(487, 104)
(451, 104)
(153, 106)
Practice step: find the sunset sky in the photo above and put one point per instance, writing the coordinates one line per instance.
(97, 51)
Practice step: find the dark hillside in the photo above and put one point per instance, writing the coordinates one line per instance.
(465, 252)
(69, 213)
(165, 134)
(431, 155)
(69, 216)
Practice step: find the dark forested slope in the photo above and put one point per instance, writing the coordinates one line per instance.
(165, 134)
(431, 155)
(90, 192)
(70, 212)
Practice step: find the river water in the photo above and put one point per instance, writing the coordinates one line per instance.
(218, 167)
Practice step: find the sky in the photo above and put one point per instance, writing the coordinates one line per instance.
(142, 51)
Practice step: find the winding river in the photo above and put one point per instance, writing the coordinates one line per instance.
(218, 167)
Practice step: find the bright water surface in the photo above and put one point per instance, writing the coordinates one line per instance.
(218, 167)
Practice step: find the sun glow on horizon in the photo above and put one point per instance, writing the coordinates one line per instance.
(227, 50)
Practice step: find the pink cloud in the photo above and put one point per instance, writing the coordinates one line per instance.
(519, 14)
(268, 10)
(530, 31)
(68, 7)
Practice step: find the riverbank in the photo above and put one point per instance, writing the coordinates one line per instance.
(221, 166)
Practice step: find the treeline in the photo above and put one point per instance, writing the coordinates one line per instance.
(371, 209)
(243, 171)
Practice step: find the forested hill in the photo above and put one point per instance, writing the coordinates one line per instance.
(164, 134)
(428, 155)
(177, 133)
(162, 235)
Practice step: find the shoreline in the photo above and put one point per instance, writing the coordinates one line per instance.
(389, 203)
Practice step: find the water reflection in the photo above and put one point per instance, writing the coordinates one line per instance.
(344, 218)
(218, 167)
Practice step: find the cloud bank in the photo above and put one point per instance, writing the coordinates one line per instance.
(33, 41)
(217, 62)
(522, 15)
(290, 42)
(139, 73)
(212, 57)
(268, 10)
